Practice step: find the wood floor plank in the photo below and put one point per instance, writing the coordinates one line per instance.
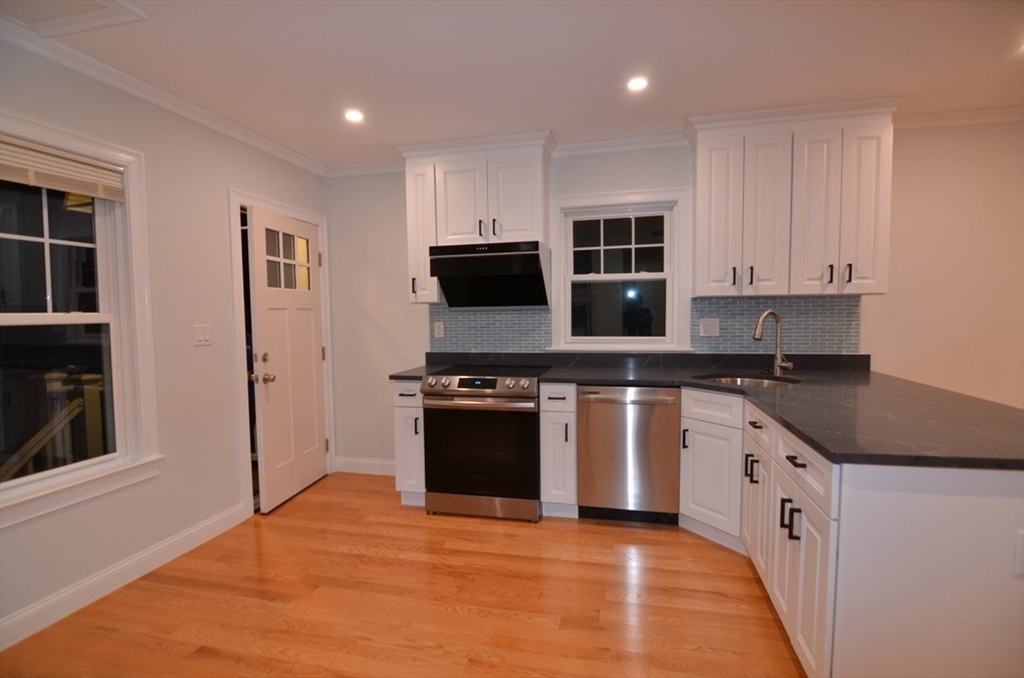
(343, 581)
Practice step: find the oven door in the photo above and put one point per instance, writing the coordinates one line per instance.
(486, 447)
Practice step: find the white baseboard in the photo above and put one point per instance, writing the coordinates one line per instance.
(21, 624)
(714, 534)
(373, 467)
(414, 499)
(553, 510)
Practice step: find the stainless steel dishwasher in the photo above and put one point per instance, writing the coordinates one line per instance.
(628, 449)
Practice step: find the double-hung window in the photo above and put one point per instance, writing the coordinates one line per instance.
(76, 380)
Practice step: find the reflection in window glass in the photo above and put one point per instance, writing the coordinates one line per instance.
(302, 250)
(586, 261)
(586, 233)
(288, 250)
(73, 277)
(618, 261)
(618, 309)
(289, 276)
(618, 232)
(273, 243)
(650, 259)
(70, 217)
(304, 282)
(58, 397)
(650, 230)
(273, 273)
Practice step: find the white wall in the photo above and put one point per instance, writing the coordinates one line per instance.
(637, 170)
(46, 564)
(954, 313)
(377, 331)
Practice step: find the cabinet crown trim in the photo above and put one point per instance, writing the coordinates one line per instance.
(790, 115)
(529, 140)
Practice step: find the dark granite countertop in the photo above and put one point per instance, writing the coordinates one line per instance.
(849, 416)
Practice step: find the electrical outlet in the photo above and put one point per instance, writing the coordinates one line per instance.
(439, 330)
(709, 327)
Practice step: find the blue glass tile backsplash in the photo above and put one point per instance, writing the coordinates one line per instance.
(810, 325)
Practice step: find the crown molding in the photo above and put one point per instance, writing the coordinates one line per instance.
(790, 115)
(621, 145)
(484, 144)
(364, 168)
(984, 116)
(97, 70)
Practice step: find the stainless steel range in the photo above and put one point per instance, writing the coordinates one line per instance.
(481, 430)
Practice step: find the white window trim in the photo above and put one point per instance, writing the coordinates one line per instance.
(137, 457)
(677, 205)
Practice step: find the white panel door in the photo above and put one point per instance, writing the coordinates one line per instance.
(462, 202)
(710, 474)
(558, 457)
(866, 205)
(817, 185)
(287, 341)
(515, 196)
(719, 216)
(767, 176)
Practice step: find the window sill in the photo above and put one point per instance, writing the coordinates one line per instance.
(31, 500)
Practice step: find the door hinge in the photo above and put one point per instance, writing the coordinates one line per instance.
(327, 444)
(323, 353)
(320, 259)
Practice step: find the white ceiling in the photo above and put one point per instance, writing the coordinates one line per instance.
(427, 71)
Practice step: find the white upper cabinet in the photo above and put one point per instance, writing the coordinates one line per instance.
(793, 201)
(743, 201)
(842, 187)
(463, 193)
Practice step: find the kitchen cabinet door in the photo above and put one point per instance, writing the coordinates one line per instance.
(718, 227)
(866, 206)
(710, 474)
(784, 569)
(516, 197)
(421, 230)
(558, 457)
(755, 512)
(767, 181)
(817, 182)
(811, 635)
(409, 469)
(462, 202)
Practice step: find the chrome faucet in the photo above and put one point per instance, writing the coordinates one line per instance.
(780, 360)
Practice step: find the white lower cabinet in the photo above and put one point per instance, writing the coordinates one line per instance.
(408, 412)
(709, 487)
(755, 514)
(558, 449)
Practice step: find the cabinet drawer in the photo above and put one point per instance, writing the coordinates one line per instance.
(815, 475)
(714, 408)
(406, 394)
(758, 426)
(558, 397)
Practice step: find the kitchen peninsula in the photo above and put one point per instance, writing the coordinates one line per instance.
(907, 561)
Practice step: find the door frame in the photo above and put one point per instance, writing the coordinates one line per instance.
(238, 199)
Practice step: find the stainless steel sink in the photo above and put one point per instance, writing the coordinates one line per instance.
(760, 380)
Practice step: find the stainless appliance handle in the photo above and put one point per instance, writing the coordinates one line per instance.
(598, 398)
(481, 403)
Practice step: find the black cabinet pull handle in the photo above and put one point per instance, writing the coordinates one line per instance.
(556, 397)
(480, 227)
(414, 285)
(746, 465)
(753, 479)
(792, 524)
(751, 275)
(754, 424)
(733, 275)
(685, 446)
(406, 395)
(831, 273)
(849, 273)
(416, 426)
(566, 431)
(494, 226)
(794, 460)
(782, 512)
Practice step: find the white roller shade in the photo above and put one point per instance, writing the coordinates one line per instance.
(26, 162)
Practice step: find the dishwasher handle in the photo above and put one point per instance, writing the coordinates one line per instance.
(625, 399)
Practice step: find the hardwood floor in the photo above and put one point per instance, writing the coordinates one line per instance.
(343, 581)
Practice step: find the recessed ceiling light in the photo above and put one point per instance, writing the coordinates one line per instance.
(352, 115)
(638, 83)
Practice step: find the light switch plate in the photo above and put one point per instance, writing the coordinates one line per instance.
(710, 327)
(201, 335)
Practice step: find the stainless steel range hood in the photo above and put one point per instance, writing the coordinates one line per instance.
(493, 274)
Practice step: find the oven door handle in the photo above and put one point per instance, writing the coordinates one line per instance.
(492, 404)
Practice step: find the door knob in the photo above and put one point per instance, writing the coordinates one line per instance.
(269, 378)
(254, 378)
